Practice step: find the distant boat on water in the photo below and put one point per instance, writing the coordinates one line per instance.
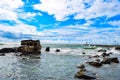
(89, 47)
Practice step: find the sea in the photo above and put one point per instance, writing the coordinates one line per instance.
(54, 65)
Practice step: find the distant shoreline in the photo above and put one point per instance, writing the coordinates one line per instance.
(104, 45)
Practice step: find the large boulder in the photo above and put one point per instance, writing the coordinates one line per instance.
(30, 46)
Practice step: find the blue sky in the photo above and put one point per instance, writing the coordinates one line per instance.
(61, 21)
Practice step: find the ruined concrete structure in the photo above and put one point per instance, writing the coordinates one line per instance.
(30, 46)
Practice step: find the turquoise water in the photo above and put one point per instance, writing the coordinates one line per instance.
(54, 66)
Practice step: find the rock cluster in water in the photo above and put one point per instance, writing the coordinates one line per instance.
(105, 59)
(27, 47)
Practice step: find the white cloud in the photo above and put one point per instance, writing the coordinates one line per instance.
(28, 15)
(8, 9)
(10, 4)
(21, 28)
(63, 8)
(100, 8)
(115, 23)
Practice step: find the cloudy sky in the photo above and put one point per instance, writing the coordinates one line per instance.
(60, 21)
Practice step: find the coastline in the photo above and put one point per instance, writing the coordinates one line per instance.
(104, 45)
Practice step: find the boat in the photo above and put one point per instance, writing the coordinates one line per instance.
(89, 47)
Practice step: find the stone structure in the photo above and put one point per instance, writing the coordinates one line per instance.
(30, 46)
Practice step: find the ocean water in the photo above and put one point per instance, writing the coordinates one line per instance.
(56, 65)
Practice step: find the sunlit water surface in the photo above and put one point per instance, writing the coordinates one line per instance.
(55, 65)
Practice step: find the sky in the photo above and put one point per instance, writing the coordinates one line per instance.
(60, 21)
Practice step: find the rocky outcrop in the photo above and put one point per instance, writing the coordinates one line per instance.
(81, 74)
(47, 49)
(30, 46)
(105, 54)
(84, 77)
(102, 50)
(7, 50)
(95, 64)
(117, 48)
(110, 60)
(27, 46)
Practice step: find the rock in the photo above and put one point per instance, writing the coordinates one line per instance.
(105, 54)
(117, 48)
(47, 49)
(2, 54)
(98, 60)
(57, 50)
(84, 77)
(7, 50)
(110, 60)
(83, 53)
(96, 56)
(81, 66)
(81, 75)
(102, 50)
(30, 47)
(95, 64)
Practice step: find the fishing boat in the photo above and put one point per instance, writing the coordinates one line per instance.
(89, 47)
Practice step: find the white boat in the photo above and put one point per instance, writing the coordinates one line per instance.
(89, 47)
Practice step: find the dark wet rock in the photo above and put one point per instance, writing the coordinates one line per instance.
(57, 50)
(7, 50)
(84, 77)
(98, 60)
(81, 75)
(47, 49)
(95, 64)
(96, 56)
(83, 53)
(117, 48)
(110, 60)
(110, 53)
(102, 50)
(105, 54)
(2, 54)
(30, 47)
(81, 66)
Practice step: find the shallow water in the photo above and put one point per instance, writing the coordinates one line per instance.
(55, 66)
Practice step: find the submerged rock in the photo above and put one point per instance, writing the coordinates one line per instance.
(47, 49)
(110, 60)
(95, 64)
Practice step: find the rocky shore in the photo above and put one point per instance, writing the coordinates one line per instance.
(97, 61)
(27, 47)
